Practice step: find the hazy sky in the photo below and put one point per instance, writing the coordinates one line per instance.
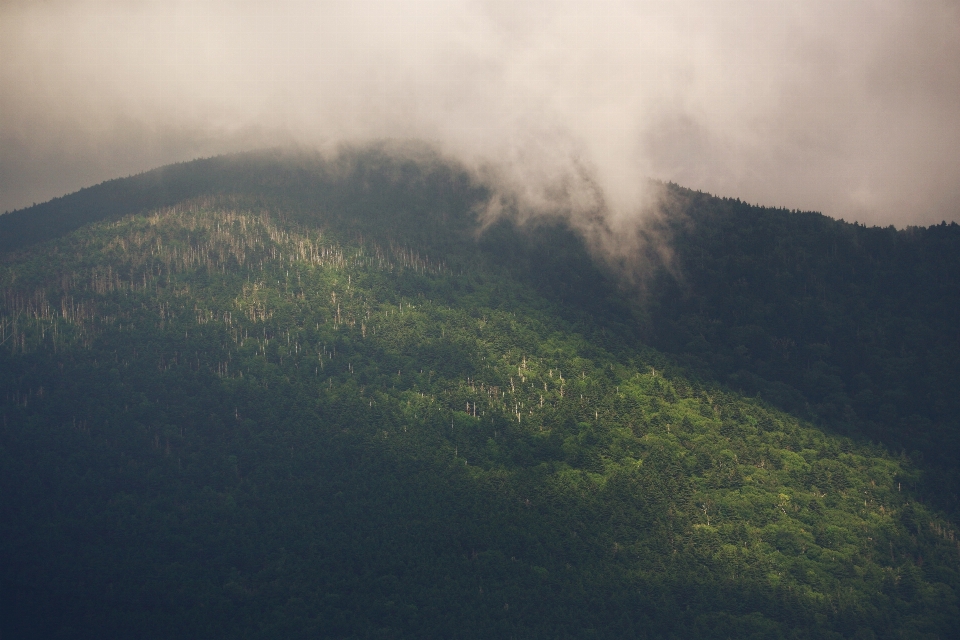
(850, 108)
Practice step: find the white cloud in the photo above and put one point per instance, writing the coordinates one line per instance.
(846, 107)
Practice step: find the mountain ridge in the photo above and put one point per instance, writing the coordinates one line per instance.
(241, 417)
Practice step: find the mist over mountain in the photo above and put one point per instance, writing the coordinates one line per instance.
(368, 393)
(849, 108)
(470, 350)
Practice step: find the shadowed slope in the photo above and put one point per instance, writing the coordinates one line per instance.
(327, 409)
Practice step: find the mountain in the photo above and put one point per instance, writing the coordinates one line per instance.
(276, 395)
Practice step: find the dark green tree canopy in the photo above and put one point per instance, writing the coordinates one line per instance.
(273, 395)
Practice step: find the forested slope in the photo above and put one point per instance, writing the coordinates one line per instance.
(321, 406)
(854, 327)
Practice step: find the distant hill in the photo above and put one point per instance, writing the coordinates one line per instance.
(276, 395)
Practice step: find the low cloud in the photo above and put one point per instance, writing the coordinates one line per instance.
(850, 108)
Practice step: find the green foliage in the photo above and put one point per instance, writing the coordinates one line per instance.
(241, 418)
(852, 327)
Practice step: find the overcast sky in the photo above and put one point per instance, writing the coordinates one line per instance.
(849, 108)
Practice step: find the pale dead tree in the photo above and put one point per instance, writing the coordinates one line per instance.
(705, 508)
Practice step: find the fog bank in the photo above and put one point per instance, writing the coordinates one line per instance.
(850, 108)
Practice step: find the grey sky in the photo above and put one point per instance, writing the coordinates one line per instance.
(850, 108)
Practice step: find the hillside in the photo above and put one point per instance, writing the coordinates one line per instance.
(270, 397)
(852, 327)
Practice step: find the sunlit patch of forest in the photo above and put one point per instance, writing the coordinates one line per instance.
(224, 419)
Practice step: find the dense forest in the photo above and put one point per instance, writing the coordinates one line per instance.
(276, 395)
